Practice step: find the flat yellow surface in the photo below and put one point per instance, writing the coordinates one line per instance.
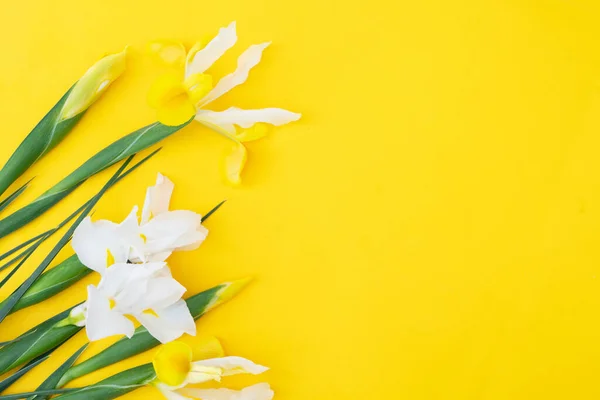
(429, 230)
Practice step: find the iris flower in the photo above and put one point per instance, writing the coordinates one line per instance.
(175, 369)
(146, 292)
(159, 232)
(179, 97)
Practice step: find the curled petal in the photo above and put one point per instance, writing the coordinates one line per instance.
(158, 198)
(102, 321)
(172, 363)
(231, 366)
(169, 323)
(174, 230)
(201, 60)
(247, 118)
(98, 244)
(248, 60)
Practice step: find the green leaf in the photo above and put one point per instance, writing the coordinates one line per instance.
(41, 392)
(139, 342)
(46, 134)
(6, 202)
(37, 341)
(117, 151)
(64, 275)
(53, 282)
(70, 270)
(115, 386)
(52, 380)
(214, 209)
(7, 306)
(17, 375)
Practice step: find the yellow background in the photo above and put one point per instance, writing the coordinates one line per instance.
(429, 230)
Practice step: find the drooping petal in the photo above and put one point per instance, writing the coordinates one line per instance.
(103, 322)
(261, 391)
(158, 198)
(169, 323)
(234, 164)
(248, 60)
(99, 243)
(172, 363)
(230, 366)
(170, 52)
(201, 60)
(174, 230)
(161, 292)
(247, 118)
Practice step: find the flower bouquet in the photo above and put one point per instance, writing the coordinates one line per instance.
(137, 297)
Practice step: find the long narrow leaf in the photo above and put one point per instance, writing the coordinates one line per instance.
(16, 296)
(17, 375)
(70, 270)
(51, 382)
(117, 151)
(18, 396)
(115, 386)
(35, 342)
(61, 119)
(7, 201)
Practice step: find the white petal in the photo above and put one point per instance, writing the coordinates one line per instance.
(92, 240)
(171, 323)
(158, 198)
(174, 230)
(128, 285)
(103, 322)
(214, 50)
(247, 118)
(162, 292)
(248, 60)
(232, 365)
(261, 391)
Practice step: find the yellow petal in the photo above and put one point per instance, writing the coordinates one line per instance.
(176, 111)
(208, 347)
(170, 52)
(198, 86)
(255, 132)
(164, 89)
(172, 363)
(93, 83)
(234, 164)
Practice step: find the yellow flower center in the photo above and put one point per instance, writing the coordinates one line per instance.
(110, 259)
(150, 311)
(112, 303)
(175, 99)
(172, 363)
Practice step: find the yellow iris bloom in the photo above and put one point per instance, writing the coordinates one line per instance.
(179, 96)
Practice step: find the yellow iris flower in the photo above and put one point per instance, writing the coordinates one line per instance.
(175, 369)
(177, 97)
